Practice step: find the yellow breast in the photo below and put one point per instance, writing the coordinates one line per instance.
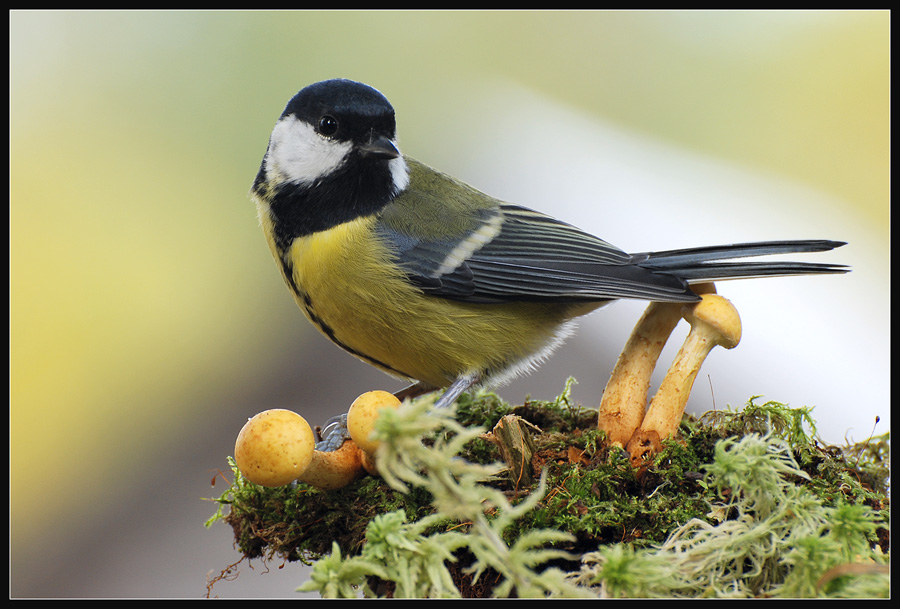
(345, 281)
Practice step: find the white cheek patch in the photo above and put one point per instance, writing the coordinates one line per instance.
(399, 173)
(298, 154)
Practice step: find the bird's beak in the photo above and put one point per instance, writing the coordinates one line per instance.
(379, 147)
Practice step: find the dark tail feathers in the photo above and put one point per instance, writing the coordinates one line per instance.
(705, 263)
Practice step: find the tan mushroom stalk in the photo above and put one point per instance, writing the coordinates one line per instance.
(336, 469)
(625, 397)
(714, 321)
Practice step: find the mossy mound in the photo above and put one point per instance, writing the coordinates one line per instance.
(624, 527)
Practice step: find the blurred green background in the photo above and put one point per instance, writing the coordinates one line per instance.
(147, 320)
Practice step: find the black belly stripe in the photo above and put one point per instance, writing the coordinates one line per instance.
(325, 328)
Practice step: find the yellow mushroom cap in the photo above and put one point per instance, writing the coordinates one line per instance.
(274, 448)
(362, 415)
(719, 316)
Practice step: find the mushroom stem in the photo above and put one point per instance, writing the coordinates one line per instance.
(714, 321)
(334, 469)
(625, 397)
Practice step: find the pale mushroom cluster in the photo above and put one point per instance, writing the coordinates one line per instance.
(277, 447)
(624, 414)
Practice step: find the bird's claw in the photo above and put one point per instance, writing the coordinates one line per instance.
(334, 432)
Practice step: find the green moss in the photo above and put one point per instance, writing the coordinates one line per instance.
(597, 525)
(300, 522)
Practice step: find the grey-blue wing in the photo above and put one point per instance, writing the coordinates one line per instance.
(516, 254)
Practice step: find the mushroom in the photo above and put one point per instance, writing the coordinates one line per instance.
(277, 447)
(274, 447)
(361, 423)
(714, 321)
(362, 416)
(625, 397)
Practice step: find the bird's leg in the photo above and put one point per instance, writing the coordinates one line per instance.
(459, 386)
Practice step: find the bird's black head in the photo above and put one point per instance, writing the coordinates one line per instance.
(332, 157)
(344, 110)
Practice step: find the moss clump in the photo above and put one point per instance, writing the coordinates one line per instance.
(769, 537)
(444, 522)
(301, 523)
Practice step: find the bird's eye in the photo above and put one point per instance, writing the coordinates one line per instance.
(328, 125)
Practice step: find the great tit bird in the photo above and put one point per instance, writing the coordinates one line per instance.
(427, 278)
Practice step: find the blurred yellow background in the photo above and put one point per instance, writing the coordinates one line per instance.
(147, 320)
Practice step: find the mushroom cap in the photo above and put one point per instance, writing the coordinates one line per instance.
(719, 316)
(362, 416)
(274, 448)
